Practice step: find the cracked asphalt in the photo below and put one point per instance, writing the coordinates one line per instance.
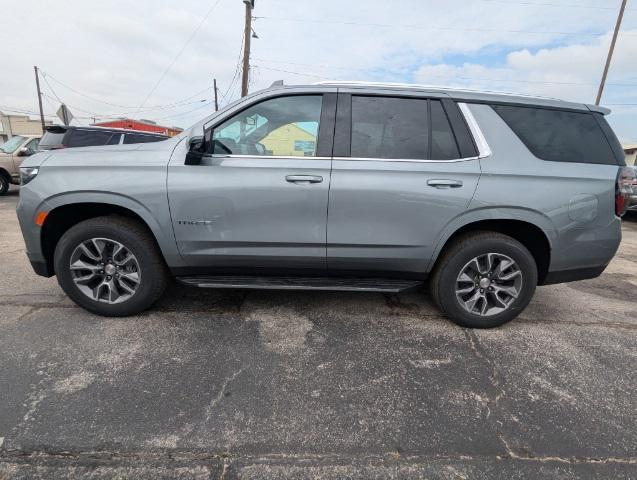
(236, 384)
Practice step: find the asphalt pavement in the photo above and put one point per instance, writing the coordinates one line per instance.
(236, 384)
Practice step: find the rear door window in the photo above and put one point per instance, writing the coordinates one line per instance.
(558, 135)
(389, 127)
(88, 138)
(443, 141)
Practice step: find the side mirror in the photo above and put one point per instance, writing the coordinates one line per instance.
(196, 152)
(24, 152)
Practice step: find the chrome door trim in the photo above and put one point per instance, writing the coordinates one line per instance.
(483, 147)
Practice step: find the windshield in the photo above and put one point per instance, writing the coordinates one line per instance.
(12, 144)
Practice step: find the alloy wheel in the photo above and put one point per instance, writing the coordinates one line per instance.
(105, 270)
(488, 284)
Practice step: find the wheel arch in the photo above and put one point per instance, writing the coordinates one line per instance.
(68, 210)
(532, 230)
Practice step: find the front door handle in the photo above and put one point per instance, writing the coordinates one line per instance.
(304, 178)
(444, 183)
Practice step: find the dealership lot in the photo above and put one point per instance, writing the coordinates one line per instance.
(237, 384)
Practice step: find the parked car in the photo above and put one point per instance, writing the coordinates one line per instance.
(58, 136)
(12, 153)
(341, 186)
(632, 201)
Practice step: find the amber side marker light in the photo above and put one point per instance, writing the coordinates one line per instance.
(40, 218)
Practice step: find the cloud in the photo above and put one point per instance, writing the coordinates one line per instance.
(117, 50)
(570, 72)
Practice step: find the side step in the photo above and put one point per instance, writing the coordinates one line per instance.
(386, 285)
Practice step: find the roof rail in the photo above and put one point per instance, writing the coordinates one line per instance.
(426, 87)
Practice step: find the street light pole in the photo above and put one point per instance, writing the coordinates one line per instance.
(610, 52)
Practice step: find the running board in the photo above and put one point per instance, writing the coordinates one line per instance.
(385, 285)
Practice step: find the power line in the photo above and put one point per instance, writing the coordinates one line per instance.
(235, 76)
(293, 73)
(435, 76)
(433, 27)
(132, 107)
(181, 50)
(543, 4)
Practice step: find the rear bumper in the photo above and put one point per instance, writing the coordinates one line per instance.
(573, 275)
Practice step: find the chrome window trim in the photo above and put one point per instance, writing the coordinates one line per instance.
(259, 157)
(412, 160)
(483, 147)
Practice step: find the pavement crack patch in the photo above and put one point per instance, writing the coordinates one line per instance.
(626, 326)
(511, 454)
(215, 401)
(494, 376)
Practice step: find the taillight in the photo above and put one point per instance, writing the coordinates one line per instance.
(623, 189)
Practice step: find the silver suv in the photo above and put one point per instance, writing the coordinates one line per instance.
(339, 186)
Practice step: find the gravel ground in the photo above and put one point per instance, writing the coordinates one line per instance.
(236, 384)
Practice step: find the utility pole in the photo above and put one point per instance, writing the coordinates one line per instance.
(610, 52)
(246, 46)
(37, 84)
(214, 83)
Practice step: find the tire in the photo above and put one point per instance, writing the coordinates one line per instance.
(4, 184)
(447, 285)
(146, 266)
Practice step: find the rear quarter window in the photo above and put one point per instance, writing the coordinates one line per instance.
(130, 138)
(87, 138)
(559, 135)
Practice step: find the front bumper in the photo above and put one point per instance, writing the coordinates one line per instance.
(42, 268)
(29, 203)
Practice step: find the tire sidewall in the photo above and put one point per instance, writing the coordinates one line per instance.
(514, 250)
(80, 233)
(4, 185)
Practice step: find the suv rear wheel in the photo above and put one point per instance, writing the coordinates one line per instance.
(484, 280)
(110, 266)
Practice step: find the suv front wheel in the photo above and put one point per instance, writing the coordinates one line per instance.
(484, 280)
(110, 266)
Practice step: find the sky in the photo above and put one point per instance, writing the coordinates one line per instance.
(156, 59)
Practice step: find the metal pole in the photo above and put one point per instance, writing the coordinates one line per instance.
(37, 84)
(610, 52)
(246, 47)
(214, 83)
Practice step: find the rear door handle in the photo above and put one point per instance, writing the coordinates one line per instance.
(304, 178)
(444, 183)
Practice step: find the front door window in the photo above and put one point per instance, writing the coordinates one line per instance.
(280, 127)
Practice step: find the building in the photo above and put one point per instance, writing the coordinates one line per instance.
(291, 140)
(11, 125)
(630, 149)
(141, 125)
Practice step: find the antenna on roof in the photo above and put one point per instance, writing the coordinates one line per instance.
(277, 83)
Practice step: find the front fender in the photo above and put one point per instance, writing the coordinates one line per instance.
(156, 217)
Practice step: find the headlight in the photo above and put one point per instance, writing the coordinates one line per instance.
(27, 174)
